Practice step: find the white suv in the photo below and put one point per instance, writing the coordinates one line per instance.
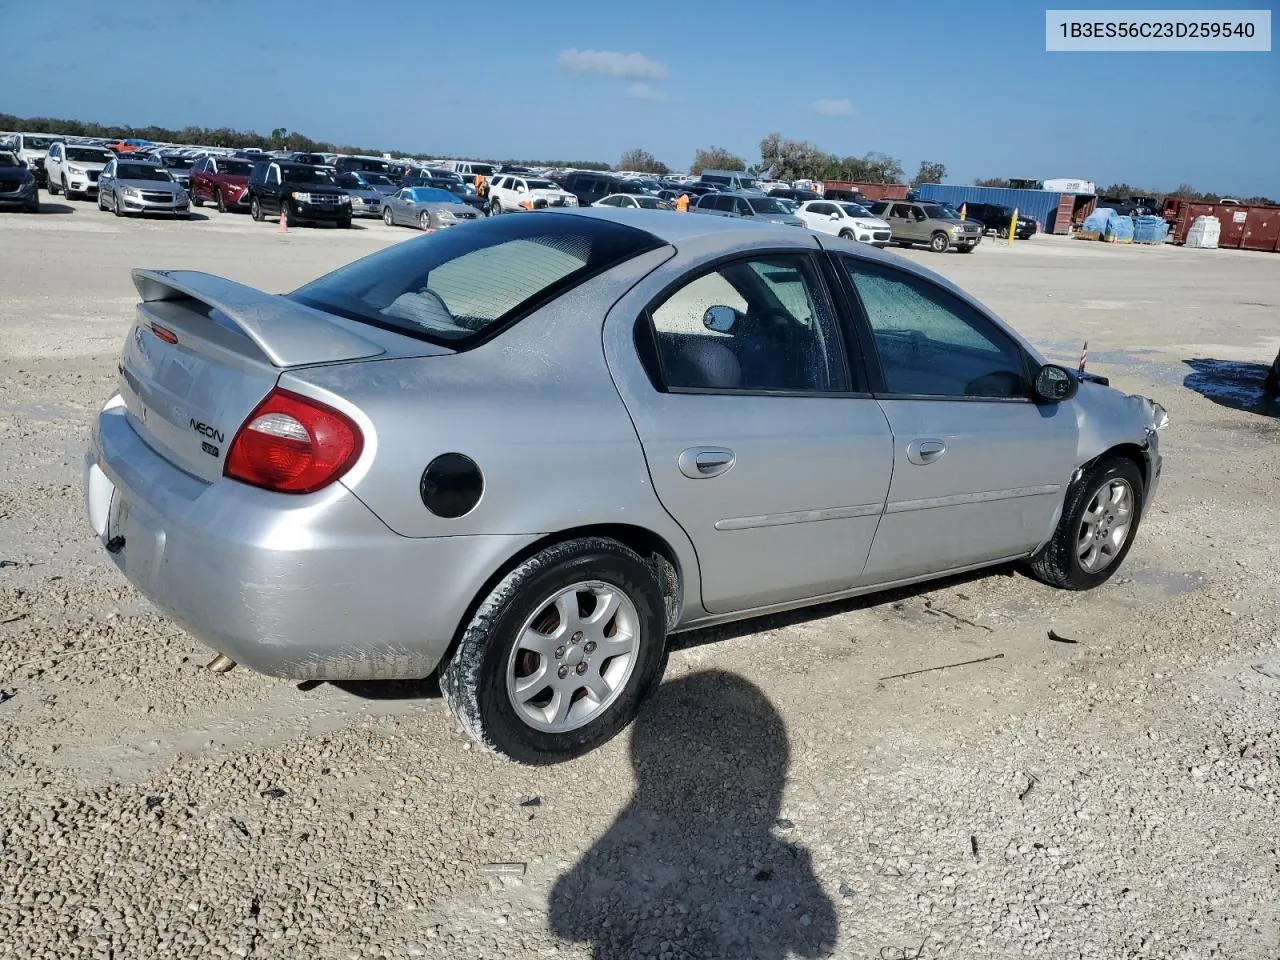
(73, 170)
(845, 219)
(509, 193)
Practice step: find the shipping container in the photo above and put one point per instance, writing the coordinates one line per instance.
(872, 191)
(1243, 227)
(1055, 212)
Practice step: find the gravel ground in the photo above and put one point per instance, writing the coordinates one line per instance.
(1114, 796)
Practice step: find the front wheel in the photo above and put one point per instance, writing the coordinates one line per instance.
(195, 197)
(66, 190)
(255, 209)
(939, 243)
(52, 188)
(1099, 520)
(424, 220)
(557, 659)
(387, 217)
(846, 234)
(495, 208)
(115, 205)
(345, 224)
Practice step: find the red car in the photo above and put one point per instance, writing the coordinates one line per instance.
(221, 180)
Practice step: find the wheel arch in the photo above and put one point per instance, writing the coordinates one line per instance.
(653, 548)
(1130, 451)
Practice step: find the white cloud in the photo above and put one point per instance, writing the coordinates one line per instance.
(644, 91)
(834, 108)
(610, 64)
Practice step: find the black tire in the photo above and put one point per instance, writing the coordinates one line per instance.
(968, 247)
(474, 680)
(255, 209)
(101, 204)
(388, 217)
(495, 208)
(345, 224)
(1058, 564)
(53, 191)
(66, 189)
(195, 197)
(905, 243)
(290, 220)
(32, 207)
(115, 204)
(939, 242)
(424, 220)
(846, 234)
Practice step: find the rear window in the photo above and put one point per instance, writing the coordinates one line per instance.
(458, 287)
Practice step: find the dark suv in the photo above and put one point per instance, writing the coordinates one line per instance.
(589, 186)
(301, 191)
(995, 217)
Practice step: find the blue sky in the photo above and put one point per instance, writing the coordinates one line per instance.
(554, 79)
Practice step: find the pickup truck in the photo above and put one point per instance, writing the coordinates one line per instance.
(935, 224)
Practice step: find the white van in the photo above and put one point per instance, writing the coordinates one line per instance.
(732, 180)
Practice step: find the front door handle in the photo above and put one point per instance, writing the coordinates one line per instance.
(925, 451)
(699, 463)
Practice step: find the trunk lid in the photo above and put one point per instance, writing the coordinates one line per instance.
(204, 352)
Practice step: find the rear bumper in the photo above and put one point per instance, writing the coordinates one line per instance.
(307, 587)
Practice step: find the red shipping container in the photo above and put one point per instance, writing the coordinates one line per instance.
(872, 191)
(1261, 229)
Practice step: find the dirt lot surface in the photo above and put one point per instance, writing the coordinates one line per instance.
(1114, 796)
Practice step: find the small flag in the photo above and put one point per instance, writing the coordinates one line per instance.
(964, 209)
(1084, 355)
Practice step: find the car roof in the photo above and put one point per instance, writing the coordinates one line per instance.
(674, 229)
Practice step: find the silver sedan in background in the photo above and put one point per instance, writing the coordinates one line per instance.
(523, 453)
(365, 200)
(128, 186)
(427, 208)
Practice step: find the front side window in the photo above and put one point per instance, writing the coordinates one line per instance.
(756, 325)
(931, 343)
(457, 286)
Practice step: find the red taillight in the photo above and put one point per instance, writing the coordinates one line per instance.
(164, 333)
(293, 444)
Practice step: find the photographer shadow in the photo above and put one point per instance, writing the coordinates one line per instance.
(692, 867)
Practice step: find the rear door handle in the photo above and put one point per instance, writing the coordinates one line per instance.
(699, 463)
(925, 451)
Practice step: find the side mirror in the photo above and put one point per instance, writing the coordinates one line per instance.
(835, 216)
(1055, 384)
(720, 319)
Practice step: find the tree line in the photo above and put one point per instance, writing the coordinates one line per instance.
(780, 158)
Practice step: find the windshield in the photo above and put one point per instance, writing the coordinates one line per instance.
(307, 174)
(370, 166)
(766, 205)
(142, 171)
(443, 175)
(456, 286)
(941, 211)
(541, 185)
(235, 168)
(37, 143)
(89, 155)
(748, 183)
(9, 160)
(855, 210)
(432, 195)
(484, 169)
(178, 163)
(350, 181)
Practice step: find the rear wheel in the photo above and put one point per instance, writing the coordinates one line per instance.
(255, 209)
(1099, 520)
(939, 243)
(559, 656)
(495, 208)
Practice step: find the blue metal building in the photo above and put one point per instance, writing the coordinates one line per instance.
(1041, 205)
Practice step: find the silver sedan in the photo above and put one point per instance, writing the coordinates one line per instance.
(427, 208)
(525, 453)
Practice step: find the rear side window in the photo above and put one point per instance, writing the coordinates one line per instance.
(459, 287)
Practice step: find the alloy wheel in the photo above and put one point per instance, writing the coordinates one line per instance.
(1104, 528)
(573, 657)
